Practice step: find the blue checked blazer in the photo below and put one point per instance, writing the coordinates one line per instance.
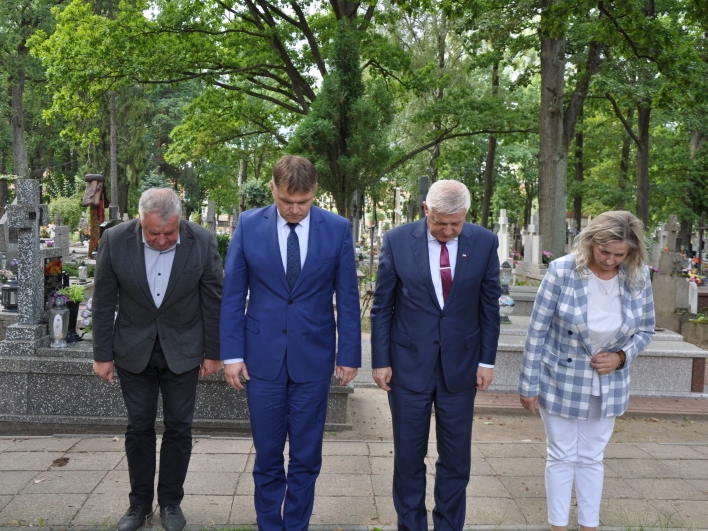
(556, 363)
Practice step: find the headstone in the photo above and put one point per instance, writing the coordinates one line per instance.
(503, 235)
(211, 217)
(26, 216)
(532, 265)
(61, 241)
(673, 227)
(692, 297)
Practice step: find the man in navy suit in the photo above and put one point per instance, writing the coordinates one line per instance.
(434, 332)
(290, 258)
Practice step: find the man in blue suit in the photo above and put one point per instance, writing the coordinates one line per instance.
(434, 332)
(290, 258)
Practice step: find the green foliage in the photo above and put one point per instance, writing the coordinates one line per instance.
(222, 244)
(69, 210)
(75, 292)
(73, 269)
(256, 193)
(153, 180)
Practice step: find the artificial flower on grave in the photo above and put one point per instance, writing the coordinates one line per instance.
(53, 268)
(85, 322)
(546, 257)
(5, 275)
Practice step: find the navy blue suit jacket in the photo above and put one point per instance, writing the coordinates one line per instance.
(408, 327)
(301, 322)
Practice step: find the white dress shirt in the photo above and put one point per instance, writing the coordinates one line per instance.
(303, 235)
(434, 248)
(158, 266)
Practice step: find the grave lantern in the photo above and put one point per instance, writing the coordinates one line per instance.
(506, 302)
(9, 295)
(58, 323)
(83, 272)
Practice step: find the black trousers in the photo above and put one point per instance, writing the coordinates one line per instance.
(140, 392)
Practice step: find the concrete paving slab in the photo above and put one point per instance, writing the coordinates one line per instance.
(517, 466)
(222, 446)
(700, 448)
(619, 488)
(481, 467)
(4, 500)
(510, 450)
(671, 451)
(346, 448)
(337, 510)
(205, 510)
(382, 449)
(93, 460)
(210, 484)
(99, 444)
(41, 509)
(667, 489)
(693, 514)
(382, 465)
(43, 444)
(115, 483)
(385, 513)
(637, 468)
(353, 464)
(28, 460)
(64, 482)
(685, 468)
(245, 485)
(102, 510)
(625, 451)
(345, 485)
(494, 511)
(524, 487)
(243, 511)
(381, 484)
(486, 487)
(219, 462)
(535, 512)
(5, 443)
(12, 482)
(701, 485)
(639, 514)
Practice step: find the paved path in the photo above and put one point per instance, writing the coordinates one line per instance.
(81, 482)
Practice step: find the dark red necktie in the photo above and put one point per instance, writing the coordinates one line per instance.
(445, 271)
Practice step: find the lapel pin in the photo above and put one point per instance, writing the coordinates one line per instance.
(464, 256)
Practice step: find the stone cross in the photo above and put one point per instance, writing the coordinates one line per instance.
(211, 217)
(503, 235)
(673, 227)
(27, 215)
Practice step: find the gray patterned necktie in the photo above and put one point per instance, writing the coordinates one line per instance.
(292, 270)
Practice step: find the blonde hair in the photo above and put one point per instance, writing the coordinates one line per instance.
(613, 227)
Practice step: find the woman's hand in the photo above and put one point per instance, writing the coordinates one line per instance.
(530, 403)
(606, 362)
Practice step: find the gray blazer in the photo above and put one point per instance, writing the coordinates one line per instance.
(187, 321)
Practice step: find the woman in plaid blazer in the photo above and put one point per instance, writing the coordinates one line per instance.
(593, 314)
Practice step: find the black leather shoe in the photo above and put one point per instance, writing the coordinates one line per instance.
(135, 517)
(172, 518)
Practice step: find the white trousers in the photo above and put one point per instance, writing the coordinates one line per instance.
(575, 450)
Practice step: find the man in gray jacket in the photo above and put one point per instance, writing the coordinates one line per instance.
(168, 276)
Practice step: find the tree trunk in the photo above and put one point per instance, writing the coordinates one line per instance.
(553, 153)
(114, 154)
(489, 162)
(17, 122)
(624, 160)
(643, 119)
(579, 178)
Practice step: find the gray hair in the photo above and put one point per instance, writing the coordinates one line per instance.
(163, 201)
(448, 197)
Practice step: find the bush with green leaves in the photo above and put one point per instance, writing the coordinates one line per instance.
(256, 193)
(222, 242)
(69, 210)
